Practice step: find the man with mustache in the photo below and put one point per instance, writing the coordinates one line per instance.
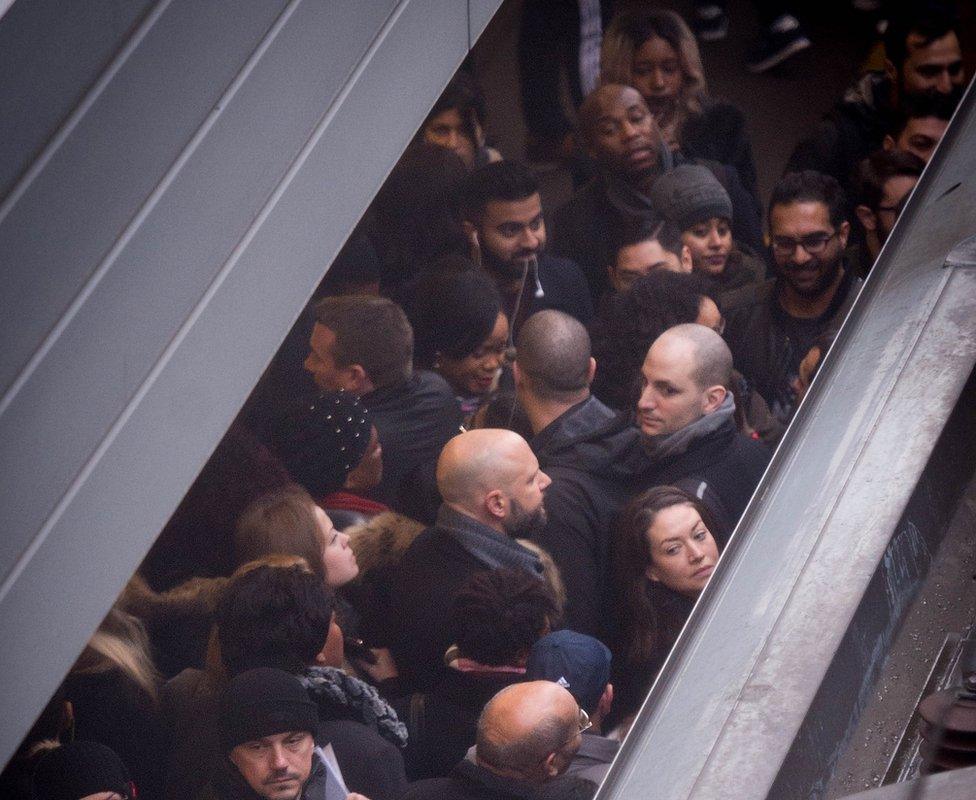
(622, 138)
(501, 214)
(771, 331)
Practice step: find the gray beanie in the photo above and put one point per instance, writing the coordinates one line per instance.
(690, 194)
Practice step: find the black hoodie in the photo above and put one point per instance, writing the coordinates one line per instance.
(589, 452)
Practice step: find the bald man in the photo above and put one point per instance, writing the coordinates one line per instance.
(620, 135)
(583, 446)
(685, 413)
(492, 490)
(527, 736)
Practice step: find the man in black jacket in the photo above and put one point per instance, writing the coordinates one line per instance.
(364, 345)
(582, 445)
(621, 136)
(501, 214)
(492, 490)
(527, 737)
(685, 415)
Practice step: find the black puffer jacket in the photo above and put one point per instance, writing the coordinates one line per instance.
(589, 453)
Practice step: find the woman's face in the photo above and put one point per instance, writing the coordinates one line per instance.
(683, 552)
(448, 130)
(338, 558)
(368, 473)
(656, 73)
(710, 242)
(475, 374)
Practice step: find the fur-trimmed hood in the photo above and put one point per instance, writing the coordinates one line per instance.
(381, 541)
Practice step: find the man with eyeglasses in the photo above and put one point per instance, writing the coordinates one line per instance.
(527, 736)
(813, 290)
(923, 58)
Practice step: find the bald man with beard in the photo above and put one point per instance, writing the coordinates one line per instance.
(621, 136)
(492, 490)
(527, 736)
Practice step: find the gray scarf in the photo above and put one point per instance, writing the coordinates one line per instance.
(491, 548)
(668, 445)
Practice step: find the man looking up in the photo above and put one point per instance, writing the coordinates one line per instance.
(501, 214)
(492, 490)
(364, 345)
(580, 443)
(620, 135)
(685, 415)
(813, 290)
(923, 57)
(527, 736)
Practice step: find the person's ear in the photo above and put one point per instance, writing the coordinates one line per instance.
(355, 380)
(714, 397)
(843, 233)
(888, 143)
(651, 573)
(495, 504)
(517, 376)
(867, 218)
(686, 260)
(606, 701)
(591, 371)
(550, 766)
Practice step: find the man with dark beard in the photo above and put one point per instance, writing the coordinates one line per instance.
(501, 214)
(813, 290)
(923, 57)
(492, 490)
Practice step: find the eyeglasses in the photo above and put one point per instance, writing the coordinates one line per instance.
(814, 243)
(584, 724)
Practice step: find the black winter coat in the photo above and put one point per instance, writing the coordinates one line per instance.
(722, 468)
(584, 452)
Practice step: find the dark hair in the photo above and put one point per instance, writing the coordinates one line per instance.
(273, 616)
(920, 106)
(930, 21)
(810, 186)
(454, 310)
(505, 181)
(632, 321)
(413, 215)
(372, 332)
(463, 94)
(633, 231)
(643, 631)
(499, 614)
(878, 168)
(503, 411)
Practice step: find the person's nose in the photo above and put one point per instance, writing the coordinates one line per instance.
(277, 758)
(657, 79)
(646, 401)
(629, 130)
(453, 140)
(800, 255)
(544, 481)
(944, 83)
(344, 540)
(714, 240)
(529, 240)
(695, 552)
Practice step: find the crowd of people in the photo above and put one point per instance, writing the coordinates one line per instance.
(449, 542)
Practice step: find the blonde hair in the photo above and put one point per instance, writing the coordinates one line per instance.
(630, 29)
(121, 643)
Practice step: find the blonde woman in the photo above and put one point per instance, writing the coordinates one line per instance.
(654, 51)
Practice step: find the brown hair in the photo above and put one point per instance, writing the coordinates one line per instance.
(372, 332)
(283, 522)
(641, 632)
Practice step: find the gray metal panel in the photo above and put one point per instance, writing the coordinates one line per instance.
(50, 54)
(140, 383)
(723, 714)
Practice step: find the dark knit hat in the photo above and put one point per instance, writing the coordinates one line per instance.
(321, 438)
(689, 194)
(264, 702)
(78, 769)
(578, 663)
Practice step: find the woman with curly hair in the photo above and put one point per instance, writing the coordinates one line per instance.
(654, 51)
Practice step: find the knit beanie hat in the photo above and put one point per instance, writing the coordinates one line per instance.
(578, 663)
(78, 769)
(321, 439)
(264, 702)
(689, 194)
